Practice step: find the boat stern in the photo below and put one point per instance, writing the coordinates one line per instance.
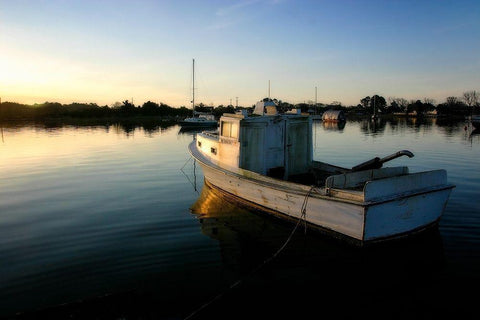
(402, 205)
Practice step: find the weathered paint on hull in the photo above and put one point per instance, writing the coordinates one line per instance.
(404, 215)
(345, 218)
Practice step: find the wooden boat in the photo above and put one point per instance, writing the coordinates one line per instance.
(266, 161)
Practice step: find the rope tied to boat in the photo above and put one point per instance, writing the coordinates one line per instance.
(303, 217)
(194, 182)
(303, 211)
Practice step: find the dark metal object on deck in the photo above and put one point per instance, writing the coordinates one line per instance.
(377, 163)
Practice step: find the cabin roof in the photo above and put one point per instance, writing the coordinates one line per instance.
(333, 115)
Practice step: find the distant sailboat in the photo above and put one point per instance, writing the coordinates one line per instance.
(199, 119)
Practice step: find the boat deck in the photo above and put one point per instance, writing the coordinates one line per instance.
(314, 178)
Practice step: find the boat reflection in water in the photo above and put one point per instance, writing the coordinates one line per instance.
(331, 125)
(314, 273)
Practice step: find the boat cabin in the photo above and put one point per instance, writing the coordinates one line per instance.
(276, 145)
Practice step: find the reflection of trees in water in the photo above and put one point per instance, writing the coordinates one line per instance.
(373, 127)
(472, 136)
(397, 125)
(420, 124)
(450, 127)
(149, 127)
(126, 127)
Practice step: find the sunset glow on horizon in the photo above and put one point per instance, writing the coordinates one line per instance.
(110, 51)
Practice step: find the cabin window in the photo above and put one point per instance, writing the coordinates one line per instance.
(234, 130)
(230, 129)
(199, 143)
(213, 150)
(226, 127)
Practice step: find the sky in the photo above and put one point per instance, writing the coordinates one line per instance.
(300, 51)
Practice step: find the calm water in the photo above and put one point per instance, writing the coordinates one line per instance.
(115, 223)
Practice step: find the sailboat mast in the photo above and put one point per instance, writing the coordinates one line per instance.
(193, 86)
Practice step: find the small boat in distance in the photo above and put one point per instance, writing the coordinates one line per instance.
(266, 162)
(334, 116)
(199, 119)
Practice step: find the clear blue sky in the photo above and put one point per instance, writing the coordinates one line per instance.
(108, 51)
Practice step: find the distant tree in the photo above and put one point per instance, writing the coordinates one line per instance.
(417, 106)
(403, 103)
(49, 109)
(378, 101)
(284, 106)
(183, 111)
(365, 102)
(149, 108)
(397, 105)
(128, 108)
(453, 106)
(429, 101)
(335, 104)
(452, 101)
(13, 110)
(429, 107)
(471, 99)
(166, 110)
(302, 106)
(218, 111)
(394, 107)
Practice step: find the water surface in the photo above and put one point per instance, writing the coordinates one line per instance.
(114, 222)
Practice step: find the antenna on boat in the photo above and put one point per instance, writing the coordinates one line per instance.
(193, 87)
(268, 89)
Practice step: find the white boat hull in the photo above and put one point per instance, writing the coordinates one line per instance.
(363, 221)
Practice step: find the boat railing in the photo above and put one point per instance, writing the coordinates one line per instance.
(215, 136)
(228, 140)
(209, 134)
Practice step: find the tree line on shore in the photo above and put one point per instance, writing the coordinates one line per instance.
(453, 106)
(126, 109)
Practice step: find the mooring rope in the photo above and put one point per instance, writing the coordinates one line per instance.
(303, 217)
(189, 158)
(194, 182)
